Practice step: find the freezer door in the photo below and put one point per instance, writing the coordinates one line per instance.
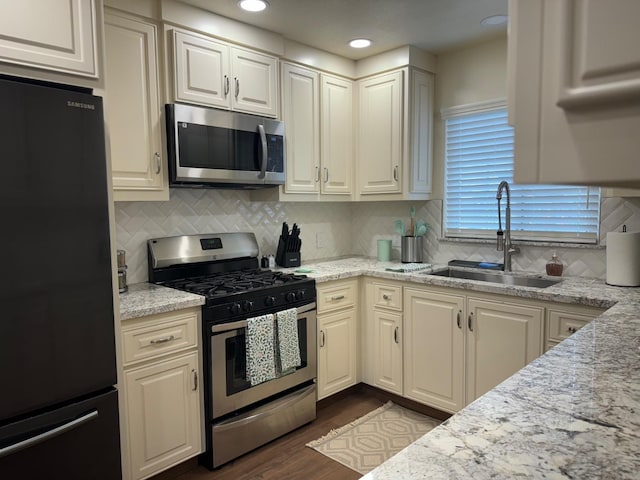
(56, 304)
(77, 442)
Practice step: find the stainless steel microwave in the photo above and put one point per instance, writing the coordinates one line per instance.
(217, 148)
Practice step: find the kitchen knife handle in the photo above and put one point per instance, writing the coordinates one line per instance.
(265, 153)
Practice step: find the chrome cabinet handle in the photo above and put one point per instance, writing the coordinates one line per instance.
(395, 173)
(237, 86)
(338, 297)
(459, 319)
(326, 175)
(322, 339)
(156, 341)
(395, 334)
(195, 380)
(386, 297)
(156, 157)
(226, 85)
(265, 152)
(470, 322)
(572, 329)
(317, 174)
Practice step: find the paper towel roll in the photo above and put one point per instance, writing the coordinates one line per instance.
(623, 259)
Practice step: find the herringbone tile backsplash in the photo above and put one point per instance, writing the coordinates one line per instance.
(345, 228)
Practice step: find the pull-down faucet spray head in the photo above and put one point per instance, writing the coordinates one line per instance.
(500, 233)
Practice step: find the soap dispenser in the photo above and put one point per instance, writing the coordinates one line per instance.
(554, 266)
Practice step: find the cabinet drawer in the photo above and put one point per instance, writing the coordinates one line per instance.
(335, 296)
(160, 335)
(563, 324)
(387, 296)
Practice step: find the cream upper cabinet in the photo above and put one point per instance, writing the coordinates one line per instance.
(336, 132)
(134, 109)
(574, 91)
(301, 116)
(380, 133)
(395, 136)
(337, 336)
(318, 113)
(434, 348)
(216, 74)
(56, 35)
(501, 339)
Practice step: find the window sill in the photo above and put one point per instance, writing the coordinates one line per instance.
(530, 243)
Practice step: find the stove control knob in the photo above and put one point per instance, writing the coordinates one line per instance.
(235, 308)
(291, 297)
(300, 295)
(247, 306)
(270, 301)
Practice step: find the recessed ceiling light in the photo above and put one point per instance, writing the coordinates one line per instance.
(360, 43)
(494, 20)
(253, 5)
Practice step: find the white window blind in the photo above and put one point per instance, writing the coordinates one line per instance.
(479, 155)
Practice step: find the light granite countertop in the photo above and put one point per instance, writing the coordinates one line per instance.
(143, 299)
(573, 413)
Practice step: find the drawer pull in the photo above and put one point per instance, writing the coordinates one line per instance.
(386, 297)
(157, 341)
(572, 329)
(395, 334)
(337, 297)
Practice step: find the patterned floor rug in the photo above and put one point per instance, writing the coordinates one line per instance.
(370, 440)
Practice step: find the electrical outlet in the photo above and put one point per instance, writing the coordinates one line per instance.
(320, 240)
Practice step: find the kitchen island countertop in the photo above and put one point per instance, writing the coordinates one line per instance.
(572, 413)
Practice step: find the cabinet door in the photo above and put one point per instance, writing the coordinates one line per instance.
(57, 35)
(380, 133)
(387, 354)
(163, 414)
(133, 104)
(202, 72)
(421, 105)
(434, 349)
(502, 338)
(337, 154)
(300, 112)
(337, 351)
(255, 82)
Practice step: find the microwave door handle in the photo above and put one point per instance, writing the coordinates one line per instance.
(265, 153)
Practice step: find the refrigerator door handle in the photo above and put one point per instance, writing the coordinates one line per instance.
(49, 434)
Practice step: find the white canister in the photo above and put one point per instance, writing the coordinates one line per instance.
(623, 259)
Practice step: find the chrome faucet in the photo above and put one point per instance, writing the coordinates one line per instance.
(504, 238)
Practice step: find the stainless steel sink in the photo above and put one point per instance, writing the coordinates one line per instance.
(506, 279)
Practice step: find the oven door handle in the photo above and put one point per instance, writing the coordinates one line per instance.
(226, 327)
(281, 404)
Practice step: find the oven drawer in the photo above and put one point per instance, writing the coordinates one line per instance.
(158, 335)
(336, 295)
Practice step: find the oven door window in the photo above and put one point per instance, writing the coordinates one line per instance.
(236, 358)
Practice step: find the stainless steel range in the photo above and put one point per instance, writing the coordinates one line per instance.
(244, 410)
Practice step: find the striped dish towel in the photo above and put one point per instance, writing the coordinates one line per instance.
(287, 340)
(259, 342)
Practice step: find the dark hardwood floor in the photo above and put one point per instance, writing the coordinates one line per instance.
(287, 458)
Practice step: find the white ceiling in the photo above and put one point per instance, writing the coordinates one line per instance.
(432, 25)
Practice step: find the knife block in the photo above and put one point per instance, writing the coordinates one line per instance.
(286, 259)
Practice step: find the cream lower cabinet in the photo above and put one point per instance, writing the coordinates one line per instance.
(434, 348)
(563, 321)
(161, 389)
(133, 109)
(387, 334)
(502, 337)
(337, 336)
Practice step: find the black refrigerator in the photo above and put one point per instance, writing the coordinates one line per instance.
(58, 403)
